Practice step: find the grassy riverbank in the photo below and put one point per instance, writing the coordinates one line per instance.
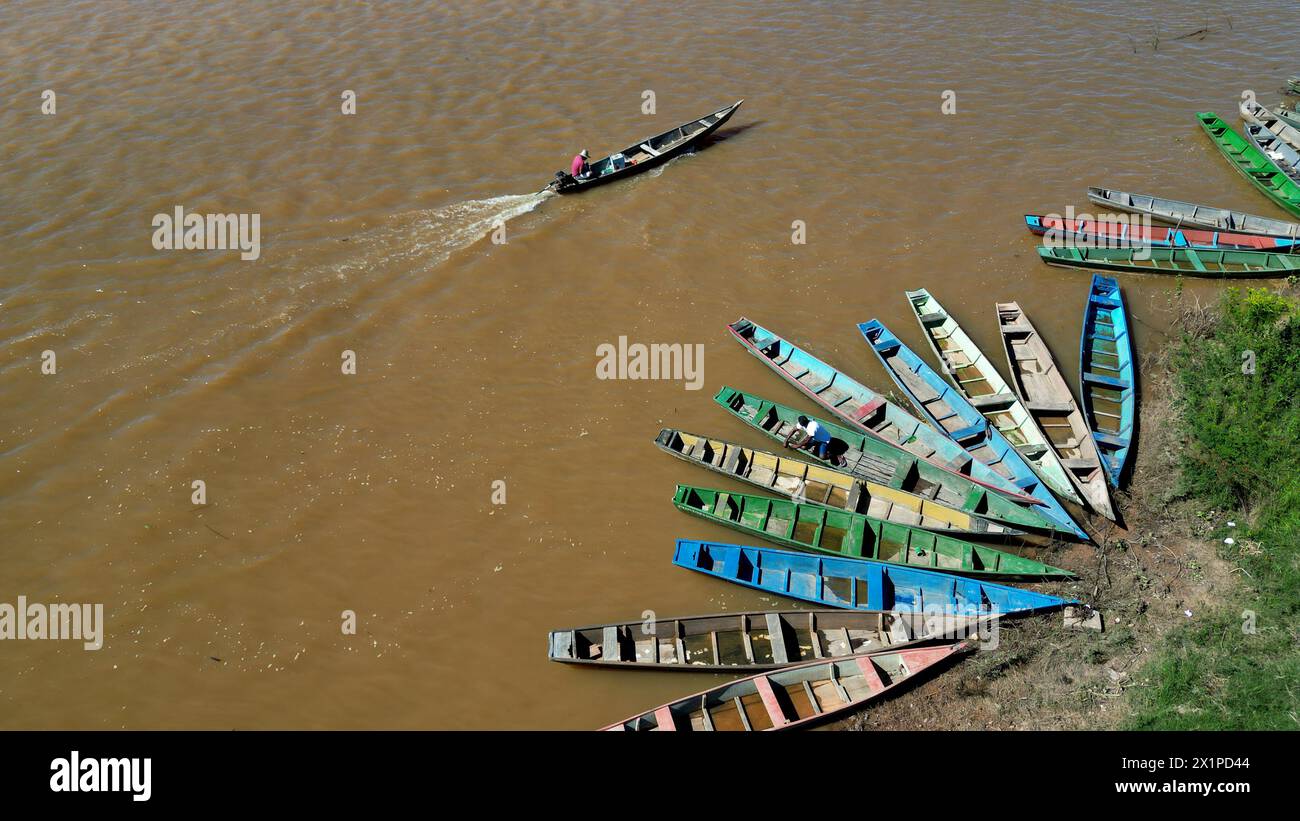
(1237, 664)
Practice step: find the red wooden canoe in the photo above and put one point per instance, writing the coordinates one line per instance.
(1113, 234)
(794, 696)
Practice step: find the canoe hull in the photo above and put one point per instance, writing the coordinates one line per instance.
(750, 641)
(566, 184)
(972, 373)
(1251, 163)
(1256, 114)
(1112, 234)
(795, 696)
(790, 477)
(1039, 383)
(1180, 213)
(948, 411)
(869, 459)
(818, 529)
(1108, 377)
(864, 410)
(1175, 261)
(858, 584)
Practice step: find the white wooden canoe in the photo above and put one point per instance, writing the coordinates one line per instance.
(974, 375)
(1046, 395)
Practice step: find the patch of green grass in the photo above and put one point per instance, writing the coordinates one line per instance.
(1238, 667)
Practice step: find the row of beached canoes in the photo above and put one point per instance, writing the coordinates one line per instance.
(1203, 241)
(883, 521)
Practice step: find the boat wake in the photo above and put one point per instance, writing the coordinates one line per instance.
(434, 235)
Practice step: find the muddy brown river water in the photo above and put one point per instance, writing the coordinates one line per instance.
(476, 361)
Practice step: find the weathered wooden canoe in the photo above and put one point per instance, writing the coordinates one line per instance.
(795, 696)
(864, 409)
(1108, 377)
(1255, 114)
(869, 459)
(979, 381)
(1044, 392)
(791, 478)
(1177, 212)
(1275, 148)
(1103, 233)
(1182, 261)
(1252, 164)
(1286, 115)
(751, 641)
(947, 410)
(820, 529)
(644, 155)
(857, 584)
(1293, 84)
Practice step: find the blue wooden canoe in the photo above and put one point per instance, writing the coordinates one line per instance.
(954, 415)
(866, 410)
(1108, 377)
(857, 584)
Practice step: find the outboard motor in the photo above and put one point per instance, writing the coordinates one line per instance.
(562, 181)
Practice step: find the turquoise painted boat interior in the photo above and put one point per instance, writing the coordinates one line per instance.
(1108, 377)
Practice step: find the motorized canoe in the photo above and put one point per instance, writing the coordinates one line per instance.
(1255, 114)
(1180, 261)
(947, 410)
(1041, 387)
(1110, 233)
(795, 479)
(820, 529)
(1108, 377)
(1251, 163)
(1180, 213)
(750, 641)
(864, 409)
(858, 584)
(979, 381)
(644, 155)
(795, 696)
(869, 459)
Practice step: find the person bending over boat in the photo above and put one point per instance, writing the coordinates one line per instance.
(816, 438)
(580, 169)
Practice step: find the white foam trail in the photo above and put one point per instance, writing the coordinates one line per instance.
(436, 234)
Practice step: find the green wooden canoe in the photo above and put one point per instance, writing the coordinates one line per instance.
(979, 381)
(868, 458)
(792, 478)
(1251, 162)
(1185, 261)
(820, 529)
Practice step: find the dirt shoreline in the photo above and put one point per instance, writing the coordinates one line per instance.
(1144, 576)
